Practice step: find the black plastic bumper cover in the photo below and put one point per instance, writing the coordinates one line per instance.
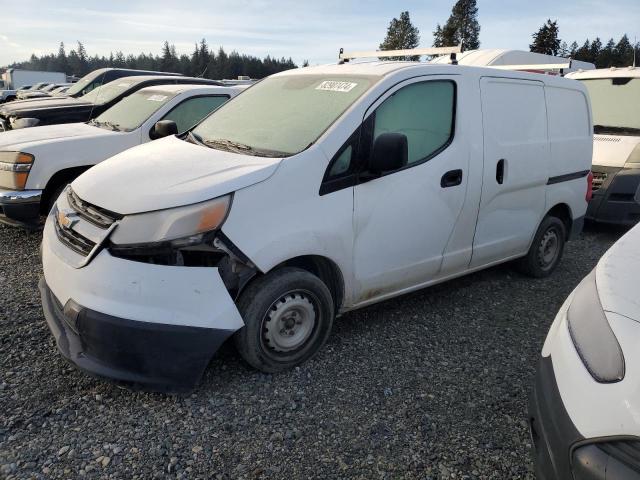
(21, 214)
(149, 355)
(617, 200)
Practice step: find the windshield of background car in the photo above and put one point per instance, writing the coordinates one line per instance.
(132, 111)
(107, 92)
(615, 103)
(84, 82)
(283, 115)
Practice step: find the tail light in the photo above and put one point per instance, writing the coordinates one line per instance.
(589, 194)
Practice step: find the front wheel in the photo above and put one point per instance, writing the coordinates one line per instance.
(546, 250)
(288, 314)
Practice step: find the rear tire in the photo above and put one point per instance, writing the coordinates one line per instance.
(288, 314)
(546, 249)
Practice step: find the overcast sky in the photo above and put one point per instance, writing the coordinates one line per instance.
(313, 30)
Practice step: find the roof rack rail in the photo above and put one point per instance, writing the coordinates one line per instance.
(534, 67)
(345, 57)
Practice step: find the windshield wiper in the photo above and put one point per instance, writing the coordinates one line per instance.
(614, 129)
(237, 147)
(193, 138)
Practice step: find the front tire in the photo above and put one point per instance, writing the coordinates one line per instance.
(546, 249)
(288, 314)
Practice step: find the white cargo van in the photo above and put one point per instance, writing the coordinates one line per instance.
(315, 192)
(615, 98)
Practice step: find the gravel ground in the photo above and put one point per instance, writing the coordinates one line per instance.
(430, 385)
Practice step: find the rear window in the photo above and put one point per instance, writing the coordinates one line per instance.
(568, 113)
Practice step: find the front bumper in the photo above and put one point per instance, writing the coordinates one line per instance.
(153, 356)
(560, 452)
(20, 208)
(617, 198)
(151, 325)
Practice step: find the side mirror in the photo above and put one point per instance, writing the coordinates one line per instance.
(163, 128)
(390, 152)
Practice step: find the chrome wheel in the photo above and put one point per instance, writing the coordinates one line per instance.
(549, 248)
(289, 322)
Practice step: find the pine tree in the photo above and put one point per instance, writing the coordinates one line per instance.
(401, 35)
(462, 27)
(624, 52)
(62, 65)
(546, 40)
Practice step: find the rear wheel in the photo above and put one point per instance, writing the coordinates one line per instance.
(288, 316)
(546, 249)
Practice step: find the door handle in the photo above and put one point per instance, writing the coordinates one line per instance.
(451, 178)
(500, 171)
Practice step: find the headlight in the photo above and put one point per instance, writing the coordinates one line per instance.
(635, 156)
(182, 224)
(23, 122)
(14, 169)
(592, 335)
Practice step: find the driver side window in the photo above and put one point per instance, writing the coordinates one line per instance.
(424, 113)
(191, 111)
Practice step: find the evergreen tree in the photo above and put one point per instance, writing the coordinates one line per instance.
(546, 40)
(401, 35)
(564, 50)
(462, 27)
(61, 60)
(623, 52)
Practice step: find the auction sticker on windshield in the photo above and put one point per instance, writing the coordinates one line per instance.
(335, 86)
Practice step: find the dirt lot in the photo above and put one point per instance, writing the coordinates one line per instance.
(430, 385)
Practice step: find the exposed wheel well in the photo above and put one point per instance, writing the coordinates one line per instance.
(59, 178)
(324, 269)
(563, 212)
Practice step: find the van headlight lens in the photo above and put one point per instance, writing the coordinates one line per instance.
(14, 169)
(592, 335)
(183, 225)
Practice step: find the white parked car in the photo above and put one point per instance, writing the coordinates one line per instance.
(37, 163)
(584, 409)
(615, 99)
(315, 192)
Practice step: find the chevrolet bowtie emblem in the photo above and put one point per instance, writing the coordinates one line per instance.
(67, 218)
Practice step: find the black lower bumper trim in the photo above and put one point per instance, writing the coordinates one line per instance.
(617, 201)
(151, 356)
(21, 214)
(552, 430)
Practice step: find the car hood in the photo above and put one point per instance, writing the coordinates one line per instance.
(169, 173)
(22, 139)
(18, 107)
(618, 275)
(613, 150)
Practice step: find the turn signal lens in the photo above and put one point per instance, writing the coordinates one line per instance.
(14, 169)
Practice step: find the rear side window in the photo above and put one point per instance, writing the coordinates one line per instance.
(424, 112)
(568, 113)
(192, 110)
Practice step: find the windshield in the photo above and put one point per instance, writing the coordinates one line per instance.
(83, 82)
(616, 105)
(281, 115)
(132, 111)
(107, 92)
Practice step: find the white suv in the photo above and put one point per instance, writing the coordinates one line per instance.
(315, 192)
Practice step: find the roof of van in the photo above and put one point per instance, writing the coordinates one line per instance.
(382, 68)
(501, 56)
(606, 73)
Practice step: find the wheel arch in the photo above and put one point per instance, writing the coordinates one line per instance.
(57, 179)
(563, 212)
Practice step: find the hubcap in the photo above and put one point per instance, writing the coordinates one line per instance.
(548, 249)
(289, 323)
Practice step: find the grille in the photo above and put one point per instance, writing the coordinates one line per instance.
(598, 179)
(625, 451)
(607, 139)
(95, 215)
(74, 240)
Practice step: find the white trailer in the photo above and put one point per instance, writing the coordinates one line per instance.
(14, 78)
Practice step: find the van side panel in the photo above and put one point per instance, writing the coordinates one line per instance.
(571, 144)
(516, 156)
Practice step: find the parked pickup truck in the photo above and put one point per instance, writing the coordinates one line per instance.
(43, 92)
(50, 157)
(49, 111)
